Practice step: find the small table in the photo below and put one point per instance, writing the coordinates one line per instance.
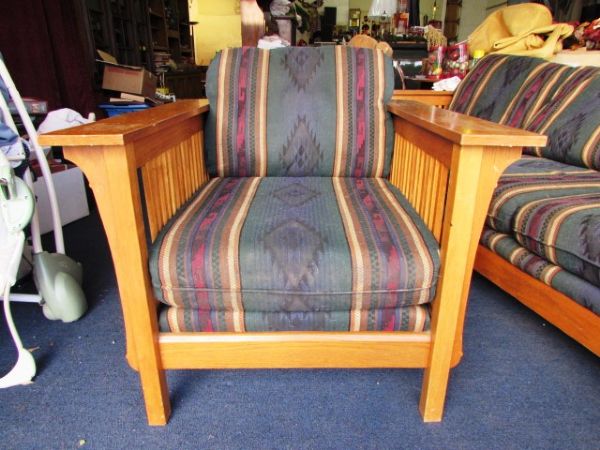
(419, 82)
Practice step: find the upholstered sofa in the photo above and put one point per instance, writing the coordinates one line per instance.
(541, 241)
(297, 219)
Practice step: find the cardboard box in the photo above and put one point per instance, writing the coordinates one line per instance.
(70, 192)
(130, 79)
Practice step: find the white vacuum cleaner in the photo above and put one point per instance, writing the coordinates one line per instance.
(57, 277)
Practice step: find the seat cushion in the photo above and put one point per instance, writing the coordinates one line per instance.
(553, 210)
(583, 292)
(287, 253)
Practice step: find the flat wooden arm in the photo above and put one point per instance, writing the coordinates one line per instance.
(165, 143)
(462, 129)
(127, 128)
(447, 165)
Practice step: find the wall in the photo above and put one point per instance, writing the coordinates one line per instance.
(472, 14)
(342, 10)
(425, 7)
(219, 26)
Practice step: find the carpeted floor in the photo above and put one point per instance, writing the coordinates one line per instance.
(521, 385)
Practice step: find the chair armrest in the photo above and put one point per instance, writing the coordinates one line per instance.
(142, 167)
(447, 165)
(126, 128)
(462, 129)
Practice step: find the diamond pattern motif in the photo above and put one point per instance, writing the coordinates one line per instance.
(294, 248)
(302, 65)
(302, 153)
(295, 194)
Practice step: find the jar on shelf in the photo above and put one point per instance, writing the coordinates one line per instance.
(456, 62)
(434, 64)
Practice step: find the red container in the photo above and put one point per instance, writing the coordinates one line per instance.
(456, 61)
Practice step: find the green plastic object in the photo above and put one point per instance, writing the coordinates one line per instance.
(58, 279)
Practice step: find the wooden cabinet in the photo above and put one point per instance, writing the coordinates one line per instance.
(145, 33)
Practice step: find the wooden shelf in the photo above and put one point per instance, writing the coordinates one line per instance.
(133, 31)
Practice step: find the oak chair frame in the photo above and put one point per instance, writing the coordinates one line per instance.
(446, 164)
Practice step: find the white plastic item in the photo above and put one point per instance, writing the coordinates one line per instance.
(39, 152)
(24, 369)
(16, 209)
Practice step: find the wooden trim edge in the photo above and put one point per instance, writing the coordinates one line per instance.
(284, 350)
(573, 319)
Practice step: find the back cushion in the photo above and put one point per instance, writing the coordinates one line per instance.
(508, 89)
(299, 111)
(559, 101)
(571, 120)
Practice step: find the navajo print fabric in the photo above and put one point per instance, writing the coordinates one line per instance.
(574, 287)
(545, 212)
(299, 111)
(559, 101)
(507, 89)
(571, 120)
(296, 253)
(552, 210)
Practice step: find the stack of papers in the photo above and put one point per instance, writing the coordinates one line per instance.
(447, 84)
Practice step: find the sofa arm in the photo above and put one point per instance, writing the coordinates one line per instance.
(142, 167)
(447, 165)
(440, 99)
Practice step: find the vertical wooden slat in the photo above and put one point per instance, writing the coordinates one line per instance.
(170, 179)
(422, 179)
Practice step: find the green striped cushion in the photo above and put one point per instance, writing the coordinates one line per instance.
(553, 210)
(571, 120)
(302, 253)
(299, 111)
(559, 101)
(583, 292)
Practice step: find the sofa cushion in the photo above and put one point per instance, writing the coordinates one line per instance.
(553, 210)
(322, 115)
(571, 120)
(583, 292)
(508, 89)
(559, 101)
(305, 248)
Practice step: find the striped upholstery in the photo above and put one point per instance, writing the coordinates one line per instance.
(299, 111)
(583, 292)
(560, 101)
(295, 253)
(553, 210)
(297, 229)
(508, 89)
(545, 212)
(571, 120)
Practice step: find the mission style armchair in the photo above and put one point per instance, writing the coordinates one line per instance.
(296, 219)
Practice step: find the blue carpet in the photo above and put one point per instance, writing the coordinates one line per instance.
(522, 384)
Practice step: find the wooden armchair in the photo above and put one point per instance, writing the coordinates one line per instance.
(150, 175)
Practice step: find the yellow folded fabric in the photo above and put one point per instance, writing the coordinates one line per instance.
(523, 29)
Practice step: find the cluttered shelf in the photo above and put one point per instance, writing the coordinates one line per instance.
(160, 45)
